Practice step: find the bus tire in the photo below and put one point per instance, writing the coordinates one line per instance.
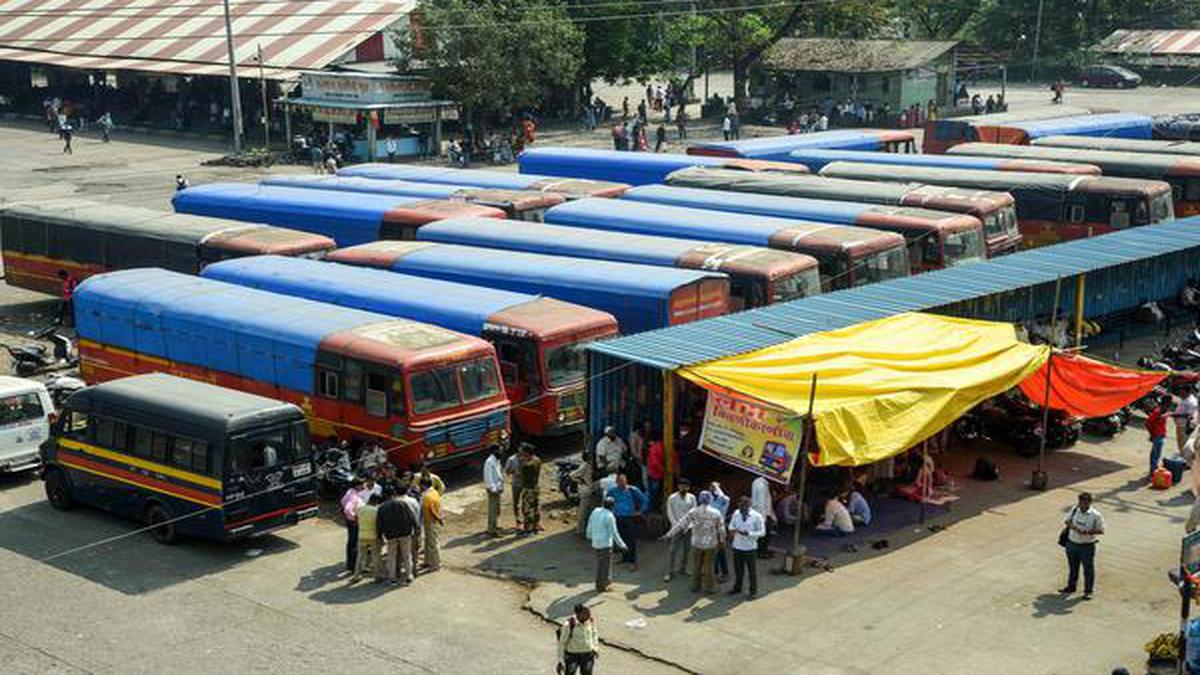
(58, 490)
(158, 520)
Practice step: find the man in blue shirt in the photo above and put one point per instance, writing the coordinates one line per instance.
(629, 503)
(603, 533)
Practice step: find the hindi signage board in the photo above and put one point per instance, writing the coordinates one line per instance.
(751, 435)
(365, 89)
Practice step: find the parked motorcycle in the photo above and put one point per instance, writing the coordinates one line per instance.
(1109, 425)
(1014, 421)
(61, 388)
(334, 471)
(567, 485)
(31, 359)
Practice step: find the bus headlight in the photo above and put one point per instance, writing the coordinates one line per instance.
(562, 417)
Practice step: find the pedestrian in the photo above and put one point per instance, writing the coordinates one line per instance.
(760, 500)
(681, 123)
(660, 138)
(1058, 87)
(493, 482)
(989, 106)
(720, 502)
(106, 125)
(431, 523)
(610, 450)
(629, 506)
(656, 469)
(604, 535)
(354, 497)
(421, 470)
(181, 182)
(409, 493)
(396, 526)
(727, 127)
(678, 504)
(512, 468)
(367, 557)
(589, 117)
(1081, 527)
(1185, 415)
(747, 527)
(708, 535)
(587, 488)
(624, 108)
(67, 134)
(530, 470)
(1156, 427)
(318, 159)
(391, 147)
(578, 643)
(66, 314)
(641, 112)
(639, 437)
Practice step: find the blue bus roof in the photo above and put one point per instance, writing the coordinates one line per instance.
(264, 336)
(1116, 125)
(816, 159)
(778, 147)
(820, 210)
(348, 220)
(459, 307)
(397, 188)
(501, 180)
(634, 168)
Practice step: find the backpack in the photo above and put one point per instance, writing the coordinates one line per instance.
(570, 630)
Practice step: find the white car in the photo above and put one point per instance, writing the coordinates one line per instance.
(25, 416)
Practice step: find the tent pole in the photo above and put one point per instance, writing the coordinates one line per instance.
(1038, 480)
(1080, 283)
(924, 463)
(805, 434)
(668, 403)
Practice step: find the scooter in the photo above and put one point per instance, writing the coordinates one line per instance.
(30, 359)
(333, 472)
(567, 485)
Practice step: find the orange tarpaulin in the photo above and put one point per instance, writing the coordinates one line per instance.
(1086, 387)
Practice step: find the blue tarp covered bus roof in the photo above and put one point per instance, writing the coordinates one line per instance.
(456, 306)
(1116, 125)
(632, 168)
(819, 210)
(264, 336)
(778, 147)
(364, 185)
(816, 159)
(482, 178)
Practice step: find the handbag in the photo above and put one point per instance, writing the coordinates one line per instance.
(1064, 535)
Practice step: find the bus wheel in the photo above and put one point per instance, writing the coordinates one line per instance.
(161, 527)
(58, 490)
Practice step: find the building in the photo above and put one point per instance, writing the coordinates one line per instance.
(1152, 48)
(893, 73)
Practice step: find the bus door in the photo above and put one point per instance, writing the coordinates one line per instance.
(522, 382)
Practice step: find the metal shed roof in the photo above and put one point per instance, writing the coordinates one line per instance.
(853, 56)
(733, 334)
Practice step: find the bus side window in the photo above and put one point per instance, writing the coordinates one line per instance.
(110, 433)
(510, 358)
(376, 397)
(329, 377)
(1075, 213)
(1191, 190)
(399, 404)
(352, 381)
(1118, 213)
(160, 447)
(75, 426)
(189, 454)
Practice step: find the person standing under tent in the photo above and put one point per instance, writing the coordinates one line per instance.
(760, 500)
(678, 504)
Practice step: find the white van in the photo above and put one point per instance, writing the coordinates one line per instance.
(25, 414)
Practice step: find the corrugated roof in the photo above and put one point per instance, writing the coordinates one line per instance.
(1152, 43)
(169, 36)
(853, 56)
(733, 334)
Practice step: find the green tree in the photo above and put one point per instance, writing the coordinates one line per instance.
(936, 19)
(493, 56)
(621, 41)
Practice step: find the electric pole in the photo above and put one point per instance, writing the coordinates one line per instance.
(1037, 41)
(235, 99)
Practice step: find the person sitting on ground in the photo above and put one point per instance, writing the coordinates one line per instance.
(860, 510)
(836, 521)
(788, 509)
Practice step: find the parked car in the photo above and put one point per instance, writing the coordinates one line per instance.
(1109, 76)
(25, 415)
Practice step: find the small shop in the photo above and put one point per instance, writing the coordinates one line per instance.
(363, 111)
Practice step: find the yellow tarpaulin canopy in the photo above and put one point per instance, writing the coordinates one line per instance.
(882, 386)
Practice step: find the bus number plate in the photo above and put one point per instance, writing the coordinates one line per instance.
(301, 469)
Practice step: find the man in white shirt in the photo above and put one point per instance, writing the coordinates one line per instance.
(391, 147)
(1185, 416)
(760, 500)
(837, 521)
(610, 450)
(678, 504)
(748, 527)
(493, 482)
(1083, 524)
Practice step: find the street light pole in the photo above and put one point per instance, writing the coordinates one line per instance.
(266, 110)
(235, 99)
(1037, 41)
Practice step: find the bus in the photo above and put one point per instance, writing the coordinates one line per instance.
(634, 168)
(183, 457)
(482, 178)
(83, 238)
(847, 256)
(936, 239)
(1154, 147)
(777, 147)
(1050, 207)
(757, 276)
(347, 219)
(538, 340)
(1182, 173)
(816, 160)
(946, 132)
(640, 297)
(1110, 125)
(419, 391)
(996, 210)
(528, 205)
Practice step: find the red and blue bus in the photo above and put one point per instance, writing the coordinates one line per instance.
(936, 239)
(347, 219)
(420, 391)
(776, 148)
(946, 132)
(482, 178)
(1182, 173)
(83, 238)
(757, 276)
(634, 168)
(816, 160)
(1141, 145)
(641, 297)
(996, 210)
(848, 256)
(184, 457)
(1050, 207)
(516, 204)
(538, 340)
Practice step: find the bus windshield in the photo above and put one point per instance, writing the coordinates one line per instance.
(479, 380)
(882, 266)
(961, 247)
(1162, 208)
(565, 364)
(439, 388)
(267, 448)
(799, 285)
